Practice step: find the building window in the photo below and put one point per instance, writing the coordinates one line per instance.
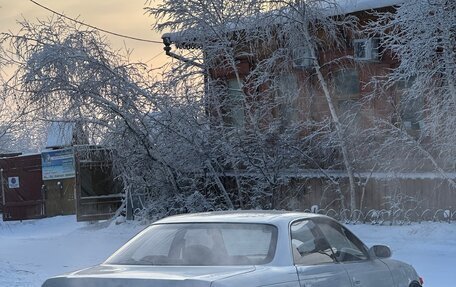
(346, 89)
(346, 84)
(287, 97)
(366, 49)
(411, 108)
(412, 113)
(234, 104)
(349, 111)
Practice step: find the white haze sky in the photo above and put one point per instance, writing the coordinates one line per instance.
(120, 16)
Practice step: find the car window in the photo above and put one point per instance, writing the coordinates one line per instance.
(308, 244)
(196, 237)
(256, 243)
(158, 244)
(196, 244)
(345, 245)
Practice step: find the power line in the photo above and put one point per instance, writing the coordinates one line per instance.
(94, 27)
(154, 57)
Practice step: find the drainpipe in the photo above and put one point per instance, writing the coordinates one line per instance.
(3, 190)
(167, 48)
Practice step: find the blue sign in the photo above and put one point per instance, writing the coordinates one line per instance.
(13, 182)
(58, 164)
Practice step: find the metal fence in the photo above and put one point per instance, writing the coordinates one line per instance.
(389, 217)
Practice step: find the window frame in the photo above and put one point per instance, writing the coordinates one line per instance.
(233, 107)
(291, 242)
(288, 108)
(342, 76)
(354, 239)
(371, 49)
(356, 242)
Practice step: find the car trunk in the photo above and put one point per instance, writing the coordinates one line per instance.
(142, 276)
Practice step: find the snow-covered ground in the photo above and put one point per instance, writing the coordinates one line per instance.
(31, 251)
(429, 247)
(34, 250)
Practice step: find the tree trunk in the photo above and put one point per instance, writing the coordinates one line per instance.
(335, 118)
(220, 185)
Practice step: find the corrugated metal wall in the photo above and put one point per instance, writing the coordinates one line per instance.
(21, 184)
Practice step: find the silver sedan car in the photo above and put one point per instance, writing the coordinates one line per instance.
(245, 248)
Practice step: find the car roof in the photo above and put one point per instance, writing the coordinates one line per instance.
(239, 216)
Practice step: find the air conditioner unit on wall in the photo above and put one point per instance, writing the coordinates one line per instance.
(366, 49)
(302, 58)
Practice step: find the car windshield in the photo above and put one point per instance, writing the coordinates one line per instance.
(200, 244)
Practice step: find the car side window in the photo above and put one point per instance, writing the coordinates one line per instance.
(345, 245)
(308, 244)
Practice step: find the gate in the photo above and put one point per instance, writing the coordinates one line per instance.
(22, 187)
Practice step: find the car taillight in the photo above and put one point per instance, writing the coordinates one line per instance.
(421, 281)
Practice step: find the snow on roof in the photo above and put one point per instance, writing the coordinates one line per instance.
(344, 7)
(19, 155)
(60, 134)
(239, 216)
(351, 6)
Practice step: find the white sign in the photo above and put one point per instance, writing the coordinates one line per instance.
(13, 182)
(58, 164)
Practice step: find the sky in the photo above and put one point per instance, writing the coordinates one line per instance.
(120, 16)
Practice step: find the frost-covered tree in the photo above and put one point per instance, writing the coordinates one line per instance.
(421, 35)
(232, 124)
(252, 53)
(12, 115)
(66, 73)
(152, 128)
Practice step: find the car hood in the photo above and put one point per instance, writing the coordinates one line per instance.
(141, 276)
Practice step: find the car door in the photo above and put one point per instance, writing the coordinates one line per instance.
(353, 256)
(313, 257)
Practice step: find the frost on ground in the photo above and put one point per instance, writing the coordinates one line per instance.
(31, 251)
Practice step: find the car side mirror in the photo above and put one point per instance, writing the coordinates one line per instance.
(380, 251)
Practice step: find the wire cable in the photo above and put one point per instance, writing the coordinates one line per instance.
(155, 57)
(94, 27)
